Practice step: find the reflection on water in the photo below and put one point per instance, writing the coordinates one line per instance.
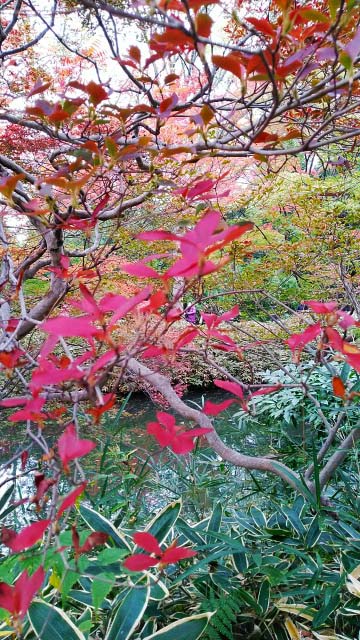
(131, 476)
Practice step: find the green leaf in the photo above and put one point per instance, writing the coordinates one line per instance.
(86, 598)
(161, 525)
(313, 533)
(250, 600)
(189, 532)
(345, 370)
(129, 614)
(296, 482)
(84, 622)
(97, 522)
(148, 628)
(322, 615)
(100, 588)
(216, 517)
(346, 61)
(355, 387)
(51, 623)
(112, 147)
(109, 556)
(186, 629)
(158, 590)
(241, 562)
(258, 517)
(5, 497)
(264, 596)
(294, 520)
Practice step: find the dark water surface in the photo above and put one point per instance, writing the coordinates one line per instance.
(128, 469)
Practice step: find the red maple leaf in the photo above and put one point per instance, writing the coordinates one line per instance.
(93, 540)
(298, 341)
(31, 410)
(26, 538)
(205, 238)
(71, 447)
(70, 499)
(212, 409)
(17, 599)
(168, 434)
(148, 542)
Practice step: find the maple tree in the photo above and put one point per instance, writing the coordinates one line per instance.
(102, 153)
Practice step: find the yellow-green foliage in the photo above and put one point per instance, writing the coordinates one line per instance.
(308, 228)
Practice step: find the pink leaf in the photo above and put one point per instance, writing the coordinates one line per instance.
(159, 234)
(163, 437)
(265, 390)
(31, 411)
(17, 599)
(298, 341)
(93, 540)
(140, 270)
(321, 307)
(182, 444)
(232, 387)
(102, 204)
(70, 499)
(38, 87)
(140, 562)
(71, 447)
(147, 541)
(175, 554)
(129, 303)
(67, 326)
(346, 320)
(26, 588)
(28, 536)
(167, 105)
(212, 409)
(7, 597)
(334, 339)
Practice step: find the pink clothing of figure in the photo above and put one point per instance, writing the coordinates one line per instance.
(190, 313)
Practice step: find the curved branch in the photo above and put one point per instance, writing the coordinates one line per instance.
(252, 463)
(337, 458)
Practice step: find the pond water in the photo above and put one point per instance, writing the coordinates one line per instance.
(131, 476)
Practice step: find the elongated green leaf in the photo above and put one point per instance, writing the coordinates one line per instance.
(84, 622)
(216, 517)
(161, 525)
(189, 532)
(97, 522)
(264, 595)
(313, 533)
(241, 562)
(294, 520)
(129, 614)
(148, 628)
(6, 632)
(85, 597)
(186, 629)
(258, 517)
(250, 600)
(345, 369)
(158, 590)
(101, 586)
(323, 614)
(51, 623)
(201, 564)
(5, 497)
(297, 483)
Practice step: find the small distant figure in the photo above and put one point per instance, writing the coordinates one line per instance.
(190, 313)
